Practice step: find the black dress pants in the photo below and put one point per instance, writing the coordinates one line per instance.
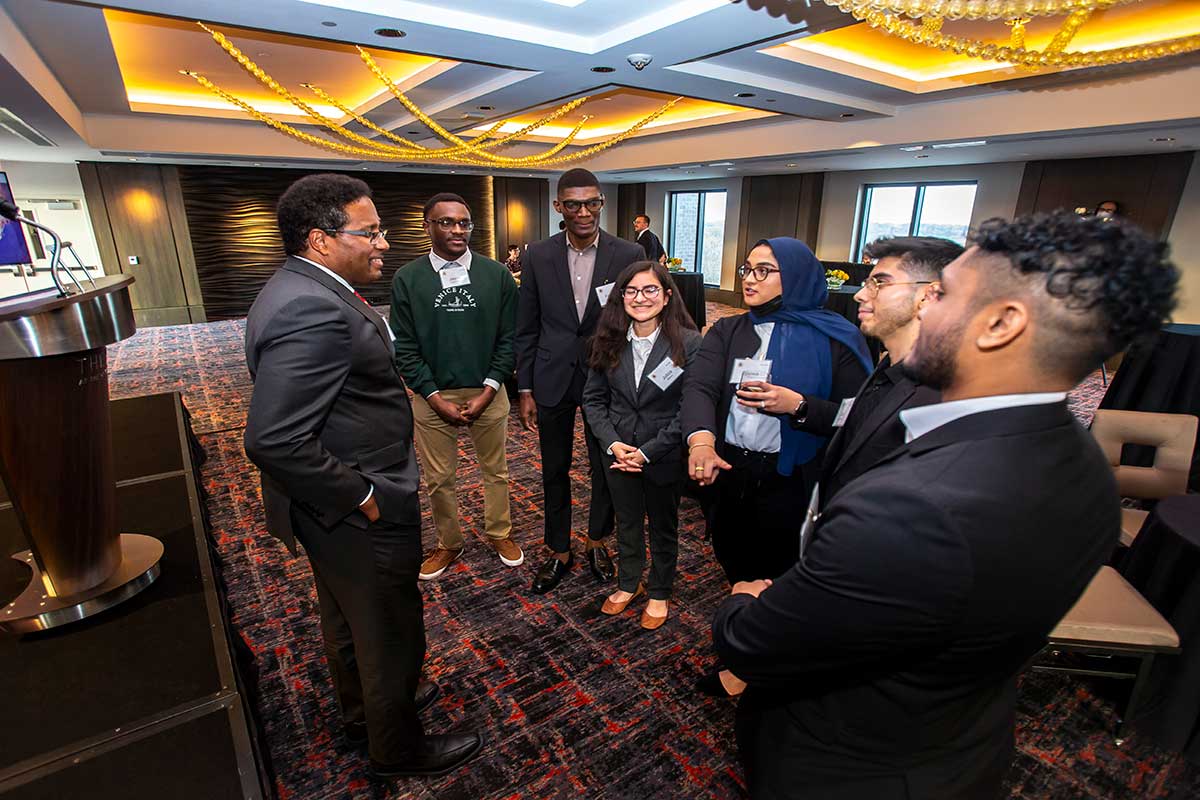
(637, 500)
(556, 436)
(373, 626)
(755, 518)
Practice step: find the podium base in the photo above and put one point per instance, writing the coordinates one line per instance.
(34, 610)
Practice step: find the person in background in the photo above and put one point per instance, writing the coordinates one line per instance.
(648, 240)
(644, 344)
(565, 282)
(1107, 210)
(903, 281)
(513, 262)
(330, 427)
(931, 580)
(454, 313)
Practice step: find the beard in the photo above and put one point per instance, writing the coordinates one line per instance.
(887, 321)
(933, 361)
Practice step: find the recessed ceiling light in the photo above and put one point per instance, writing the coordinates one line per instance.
(390, 33)
(791, 165)
(721, 164)
(730, 169)
(451, 172)
(744, 94)
(486, 108)
(133, 159)
(328, 23)
(257, 164)
(847, 116)
(924, 156)
(604, 69)
(1163, 139)
(949, 145)
(913, 148)
(364, 167)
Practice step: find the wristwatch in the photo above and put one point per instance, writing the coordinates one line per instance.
(801, 411)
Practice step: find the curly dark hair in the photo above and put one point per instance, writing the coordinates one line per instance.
(609, 341)
(923, 257)
(316, 202)
(1105, 283)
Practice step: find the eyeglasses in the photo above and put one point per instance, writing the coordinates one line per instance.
(873, 284)
(448, 224)
(374, 236)
(593, 204)
(648, 292)
(760, 273)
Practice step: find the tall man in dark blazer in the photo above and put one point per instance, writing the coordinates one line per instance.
(884, 664)
(331, 428)
(902, 282)
(649, 242)
(564, 282)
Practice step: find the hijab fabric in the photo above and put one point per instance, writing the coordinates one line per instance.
(799, 348)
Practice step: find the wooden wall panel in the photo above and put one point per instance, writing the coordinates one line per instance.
(631, 201)
(89, 177)
(522, 212)
(1147, 188)
(231, 222)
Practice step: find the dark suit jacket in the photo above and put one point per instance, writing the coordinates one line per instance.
(329, 416)
(866, 436)
(644, 416)
(889, 655)
(651, 245)
(551, 340)
(708, 393)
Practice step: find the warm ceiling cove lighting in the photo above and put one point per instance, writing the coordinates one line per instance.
(476, 151)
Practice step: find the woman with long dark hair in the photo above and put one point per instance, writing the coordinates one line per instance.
(644, 343)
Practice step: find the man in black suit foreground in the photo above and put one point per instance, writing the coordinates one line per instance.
(884, 664)
(331, 428)
(902, 282)
(647, 239)
(565, 280)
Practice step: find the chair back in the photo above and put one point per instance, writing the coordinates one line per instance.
(1173, 437)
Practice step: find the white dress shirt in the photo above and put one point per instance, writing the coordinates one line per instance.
(642, 345)
(923, 419)
(746, 428)
(463, 261)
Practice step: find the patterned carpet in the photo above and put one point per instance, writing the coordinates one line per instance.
(572, 704)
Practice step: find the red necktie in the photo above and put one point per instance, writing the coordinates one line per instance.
(360, 297)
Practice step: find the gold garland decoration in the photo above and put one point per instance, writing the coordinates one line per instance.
(978, 9)
(915, 33)
(474, 152)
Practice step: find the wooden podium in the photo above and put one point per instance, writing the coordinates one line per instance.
(56, 455)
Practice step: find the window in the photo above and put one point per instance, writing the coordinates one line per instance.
(916, 209)
(698, 232)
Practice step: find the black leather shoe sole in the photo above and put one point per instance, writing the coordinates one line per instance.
(432, 764)
(551, 574)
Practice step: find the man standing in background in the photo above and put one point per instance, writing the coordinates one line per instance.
(454, 314)
(650, 243)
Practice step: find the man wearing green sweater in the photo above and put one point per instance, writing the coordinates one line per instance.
(454, 315)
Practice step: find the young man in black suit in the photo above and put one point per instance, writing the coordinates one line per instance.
(884, 664)
(649, 242)
(564, 282)
(902, 282)
(331, 428)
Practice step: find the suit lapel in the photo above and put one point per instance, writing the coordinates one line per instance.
(894, 401)
(351, 299)
(604, 258)
(562, 271)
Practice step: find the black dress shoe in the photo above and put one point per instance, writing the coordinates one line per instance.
(439, 754)
(427, 693)
(601, 564)
(550, 573)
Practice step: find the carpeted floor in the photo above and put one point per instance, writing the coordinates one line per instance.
(572, 704)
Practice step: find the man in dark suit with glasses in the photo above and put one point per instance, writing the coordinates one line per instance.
(565, 281)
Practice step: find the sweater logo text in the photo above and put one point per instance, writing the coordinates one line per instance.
(454, 298)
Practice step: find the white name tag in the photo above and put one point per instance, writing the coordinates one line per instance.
(810, 519)
(750, 369)
(843, 412)
(602, 292)
(456, 275)
(665, 373)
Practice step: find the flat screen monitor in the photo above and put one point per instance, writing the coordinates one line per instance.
(13, 249)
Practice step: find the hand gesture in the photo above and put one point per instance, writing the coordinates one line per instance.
(768, 398)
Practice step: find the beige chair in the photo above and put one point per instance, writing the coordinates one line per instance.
(1172, 435)
(1111, 620)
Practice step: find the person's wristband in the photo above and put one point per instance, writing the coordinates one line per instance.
(701, 444)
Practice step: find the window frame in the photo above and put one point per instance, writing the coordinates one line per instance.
(701, 207)
(914, 219)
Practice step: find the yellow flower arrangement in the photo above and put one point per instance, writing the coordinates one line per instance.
(834, 278)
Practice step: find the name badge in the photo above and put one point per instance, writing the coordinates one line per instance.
(665, 373)
(602, 292)
(810, 519)
(456, 275)
(750, 369)
(843, 412)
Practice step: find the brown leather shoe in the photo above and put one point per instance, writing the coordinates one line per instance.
(437, 562)
(612, 609)
(651, 622)
(509, 552)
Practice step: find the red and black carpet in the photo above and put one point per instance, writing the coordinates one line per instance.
(572, 704)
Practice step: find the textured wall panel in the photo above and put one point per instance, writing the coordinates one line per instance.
(231, 218)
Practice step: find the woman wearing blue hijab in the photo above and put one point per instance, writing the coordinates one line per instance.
(739, 439)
